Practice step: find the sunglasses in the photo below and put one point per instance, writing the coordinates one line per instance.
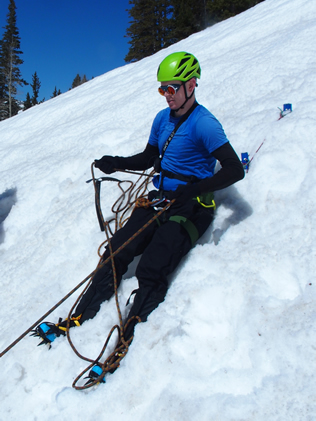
(170, 89)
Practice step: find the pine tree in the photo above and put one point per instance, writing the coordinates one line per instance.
(164, 36)
(219, 10)
(76, 82)
(35, 85)
(189, 16)
(10, 75)
(28, 102)
(3, 101)
(56, 93)
(156, 24)
(149, 28)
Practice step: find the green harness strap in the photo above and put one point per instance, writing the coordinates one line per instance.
(207, 201)
(188, 226)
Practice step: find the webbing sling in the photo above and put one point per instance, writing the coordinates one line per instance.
(188, 226)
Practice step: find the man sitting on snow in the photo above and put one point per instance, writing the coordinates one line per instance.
(185, 142)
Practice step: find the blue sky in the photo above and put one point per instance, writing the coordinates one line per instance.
(60, 38)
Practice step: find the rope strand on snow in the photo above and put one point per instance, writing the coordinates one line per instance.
(121, 349)
(118, 208)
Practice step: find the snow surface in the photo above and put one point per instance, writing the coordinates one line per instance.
(235, 338)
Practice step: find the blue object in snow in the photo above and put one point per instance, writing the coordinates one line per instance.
(287, 109)
(245, 160)
(45, 328)
(95, 372)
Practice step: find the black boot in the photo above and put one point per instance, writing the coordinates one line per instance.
(145, 301)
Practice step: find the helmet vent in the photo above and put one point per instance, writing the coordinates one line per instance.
(186, 76)
(183, 62)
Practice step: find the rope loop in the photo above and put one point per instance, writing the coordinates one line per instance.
(132, 197)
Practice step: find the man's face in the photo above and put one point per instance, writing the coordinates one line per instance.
(175, 101)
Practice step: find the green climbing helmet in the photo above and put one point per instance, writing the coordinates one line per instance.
(179, 66)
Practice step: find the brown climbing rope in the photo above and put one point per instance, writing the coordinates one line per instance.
(135, 197)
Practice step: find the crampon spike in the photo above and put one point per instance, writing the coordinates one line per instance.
(47, 332)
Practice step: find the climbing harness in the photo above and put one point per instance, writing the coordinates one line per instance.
(207, 200)
(159, 204)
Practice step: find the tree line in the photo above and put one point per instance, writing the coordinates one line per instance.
(10, 74)
(157, 24)
(154, 24)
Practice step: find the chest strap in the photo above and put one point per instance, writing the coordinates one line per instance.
(181, 177)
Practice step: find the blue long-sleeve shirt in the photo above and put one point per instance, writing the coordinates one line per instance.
(190, 150)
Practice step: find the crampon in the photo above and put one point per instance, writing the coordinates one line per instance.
(95, 372)
(48, 332)
(98, 371)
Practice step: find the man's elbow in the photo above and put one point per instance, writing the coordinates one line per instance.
(239, 172)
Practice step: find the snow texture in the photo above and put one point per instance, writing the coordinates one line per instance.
(235, 337)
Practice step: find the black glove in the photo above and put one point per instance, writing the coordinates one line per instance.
(108, 164)
(184, 193)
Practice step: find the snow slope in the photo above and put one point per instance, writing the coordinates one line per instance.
(235, 337)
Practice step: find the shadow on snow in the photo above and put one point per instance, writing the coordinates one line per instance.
(7, 200)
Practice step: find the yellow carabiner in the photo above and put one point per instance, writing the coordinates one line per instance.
(212, 205)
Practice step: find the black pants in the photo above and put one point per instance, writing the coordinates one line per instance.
(162, 245)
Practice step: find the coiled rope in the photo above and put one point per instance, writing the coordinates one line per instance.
(134, 195)
(121, 208)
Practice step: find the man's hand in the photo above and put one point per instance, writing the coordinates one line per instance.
(107, 164)
(184, 193)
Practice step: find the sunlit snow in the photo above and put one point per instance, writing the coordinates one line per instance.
(235, 338)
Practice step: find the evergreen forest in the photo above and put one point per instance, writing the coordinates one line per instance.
(153, 25)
